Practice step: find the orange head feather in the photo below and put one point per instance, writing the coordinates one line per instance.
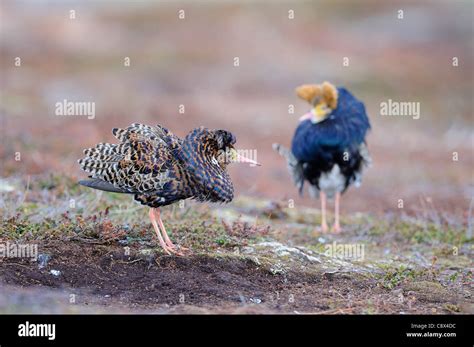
(315, 93)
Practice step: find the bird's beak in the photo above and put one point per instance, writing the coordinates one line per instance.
(238, 158)
(242, 159)
(317, 114)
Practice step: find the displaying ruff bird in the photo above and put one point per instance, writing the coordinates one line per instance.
(159, 168)
(328, 148)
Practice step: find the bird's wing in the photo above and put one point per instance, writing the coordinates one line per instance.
(142, 162)
(198, 154)
(146, 132)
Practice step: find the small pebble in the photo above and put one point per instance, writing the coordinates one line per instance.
(55, 272)
(397, 292)
(248, 249)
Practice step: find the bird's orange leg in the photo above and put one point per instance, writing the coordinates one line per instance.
(162, 228)
(336, 228)
(165, 234)
(324, 224)
(158, 232)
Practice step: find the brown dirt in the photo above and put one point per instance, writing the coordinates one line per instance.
(103, 277)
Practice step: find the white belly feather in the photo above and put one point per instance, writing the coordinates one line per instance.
(329, 182)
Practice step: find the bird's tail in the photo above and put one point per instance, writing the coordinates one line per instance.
(97, 183)
(366, 163)
(106, 164)
(294, 166)
(110, 162)
(103, 159)
(364, 152)
(122, 167)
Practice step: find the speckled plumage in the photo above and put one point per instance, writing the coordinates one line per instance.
(159, 168)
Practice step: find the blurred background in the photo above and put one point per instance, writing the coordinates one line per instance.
(190, 61)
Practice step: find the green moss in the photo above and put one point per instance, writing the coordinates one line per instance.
(429, 233)
(379, 228)
(452, 308)
(393, 277)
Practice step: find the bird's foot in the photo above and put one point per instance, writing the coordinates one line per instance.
(336, 229)
(171, 245)
(184, 249)
(178, 253)
(180, 249)
(168, 250)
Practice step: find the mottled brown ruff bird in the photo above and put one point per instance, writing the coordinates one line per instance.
(328, 149)
(159, 168)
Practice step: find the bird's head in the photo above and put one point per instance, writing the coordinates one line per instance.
(226, 152)
(322, 97)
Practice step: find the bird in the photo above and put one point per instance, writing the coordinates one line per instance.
(158, 168)
(329, 148)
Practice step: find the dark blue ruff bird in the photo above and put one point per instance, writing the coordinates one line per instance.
(328, 149)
